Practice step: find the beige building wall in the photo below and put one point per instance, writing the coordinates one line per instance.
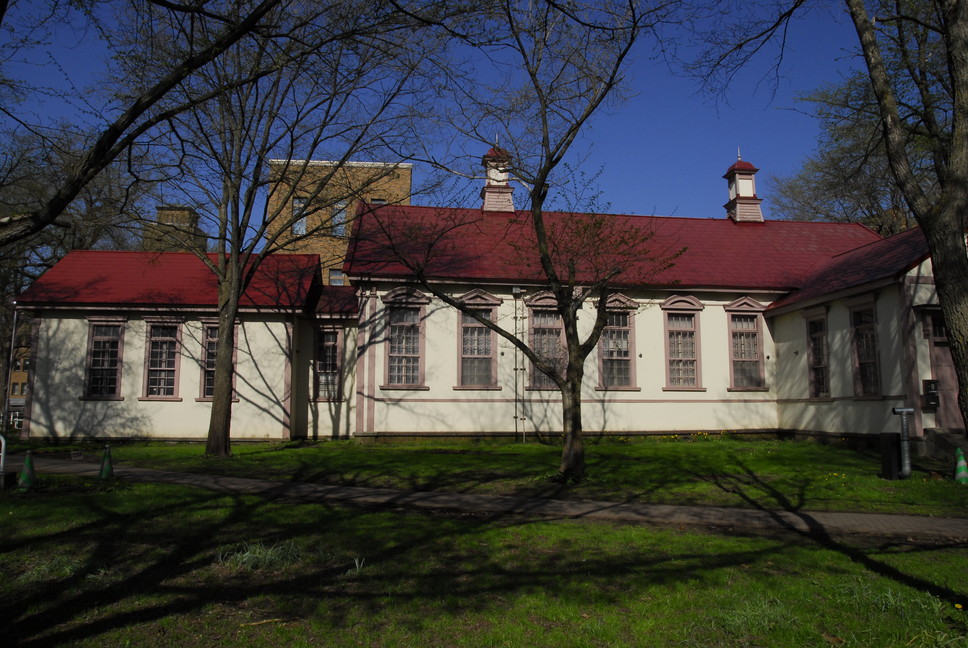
(439, 405)
(266, 383)
(329, 195)
(903, 358)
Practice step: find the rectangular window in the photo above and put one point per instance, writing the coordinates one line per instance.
(615, 350)
(867, 378)
(682, 351)
(339, 218)
(337, 278)
(818, 358)
(547, 333)
(404, 352)
(209, 346)
(747, 364)
(299, 213)
(103, 372)
(328, 365)
(162, 361)
(476, 351)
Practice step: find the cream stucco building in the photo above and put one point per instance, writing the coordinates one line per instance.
(731, 323)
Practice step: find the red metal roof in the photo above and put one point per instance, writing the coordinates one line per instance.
(470, 245)
(338, 301)
(883, 259)
(86, 277)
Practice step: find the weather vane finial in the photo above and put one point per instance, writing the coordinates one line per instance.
(739, 156)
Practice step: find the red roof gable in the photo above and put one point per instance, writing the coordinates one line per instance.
(467, 244)
(883, 259)
(338, 301)
(86, 277)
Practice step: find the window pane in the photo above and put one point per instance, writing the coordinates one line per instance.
(104, 367)
(327, 366)
(404, 351)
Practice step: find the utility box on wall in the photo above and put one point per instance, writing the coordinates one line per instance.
(930, 397)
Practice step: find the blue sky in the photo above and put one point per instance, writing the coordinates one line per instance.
(665, 150)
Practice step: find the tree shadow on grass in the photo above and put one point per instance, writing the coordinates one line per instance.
(760, 494)
(151, 558)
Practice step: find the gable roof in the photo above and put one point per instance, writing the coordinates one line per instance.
(885, 259)
(394, 241)
(180, 279)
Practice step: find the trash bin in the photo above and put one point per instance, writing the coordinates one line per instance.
(890, 455)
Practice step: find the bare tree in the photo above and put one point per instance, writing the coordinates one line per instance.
(203, 31)
(848, 179)
(333, 88)
(914, 53)
(552, 68)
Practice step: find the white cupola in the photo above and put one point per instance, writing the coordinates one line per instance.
(496, 191)
(743, 205)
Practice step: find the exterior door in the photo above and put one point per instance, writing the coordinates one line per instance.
(943, 370)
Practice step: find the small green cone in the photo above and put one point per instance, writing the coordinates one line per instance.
(27, 474)
(961, 468)
(107, 470)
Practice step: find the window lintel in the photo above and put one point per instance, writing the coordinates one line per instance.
(682, 303)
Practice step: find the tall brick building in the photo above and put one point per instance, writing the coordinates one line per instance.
(328, 195)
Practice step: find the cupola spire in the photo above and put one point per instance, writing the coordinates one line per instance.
(496, 191)
(743, 205)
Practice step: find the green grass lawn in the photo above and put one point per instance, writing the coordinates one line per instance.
(712, 470)
(85, 562)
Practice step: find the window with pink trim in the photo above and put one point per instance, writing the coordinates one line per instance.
(818, 357)
(746, 355)
(405, 338)
(683, 367)
(615, 350)
(209, 349)
(327, 365)
(102, 376)
(404, 354)
(477, 361)
(867, 370)
(548, 342)
(161, 360)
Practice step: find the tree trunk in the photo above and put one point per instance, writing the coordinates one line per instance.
(572, 468)
(946, 240)
(220, 423)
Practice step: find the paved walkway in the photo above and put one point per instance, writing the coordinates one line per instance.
(831, 523)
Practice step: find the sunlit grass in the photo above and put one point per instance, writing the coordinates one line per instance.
(91, 563)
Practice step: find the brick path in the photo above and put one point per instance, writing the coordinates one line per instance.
(830, 523)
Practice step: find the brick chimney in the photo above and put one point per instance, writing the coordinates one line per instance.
(496, 192)
(175, 229)
(743, 205)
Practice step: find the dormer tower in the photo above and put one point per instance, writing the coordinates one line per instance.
(743, 205)
(497, 192)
